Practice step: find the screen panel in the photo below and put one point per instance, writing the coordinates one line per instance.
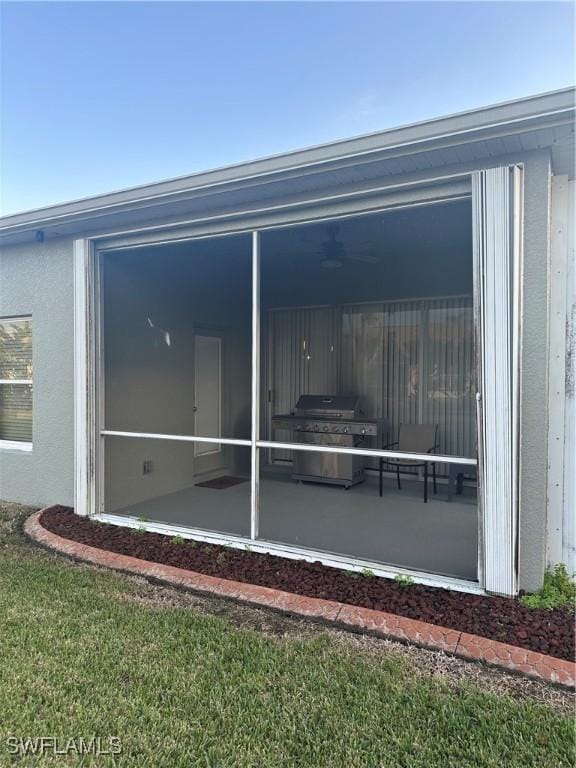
(164, 481)
(177, 338)
(396, 528)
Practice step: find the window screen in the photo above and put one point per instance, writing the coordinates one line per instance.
(16, 379)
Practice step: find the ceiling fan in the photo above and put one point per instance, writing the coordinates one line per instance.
(333, 252)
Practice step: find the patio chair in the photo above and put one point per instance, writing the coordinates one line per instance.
(414, 438)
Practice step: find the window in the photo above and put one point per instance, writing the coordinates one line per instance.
(16, 382)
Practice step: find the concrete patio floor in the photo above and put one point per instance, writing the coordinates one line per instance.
(439, 537)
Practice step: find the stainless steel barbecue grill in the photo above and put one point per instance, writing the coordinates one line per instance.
(329, 420)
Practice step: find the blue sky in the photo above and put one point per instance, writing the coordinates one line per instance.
(100, 96)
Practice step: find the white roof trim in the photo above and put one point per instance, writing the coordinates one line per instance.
(515, 116)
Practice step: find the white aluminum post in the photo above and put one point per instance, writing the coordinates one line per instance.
(497, 207)
(83, 389)
(255, 462)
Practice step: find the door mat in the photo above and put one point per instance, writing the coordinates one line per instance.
(220, 483)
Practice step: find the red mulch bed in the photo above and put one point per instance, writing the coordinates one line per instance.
(498, 618)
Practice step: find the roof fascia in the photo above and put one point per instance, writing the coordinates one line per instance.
(478, 125)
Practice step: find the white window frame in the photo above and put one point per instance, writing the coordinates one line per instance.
(18, 445)
(89, 431)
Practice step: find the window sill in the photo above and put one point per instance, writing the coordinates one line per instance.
(15, 445)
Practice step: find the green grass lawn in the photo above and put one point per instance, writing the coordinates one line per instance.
(184, 689)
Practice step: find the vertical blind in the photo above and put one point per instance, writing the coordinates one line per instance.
(413, 363)
(305, 359)
(16, 379)
(380, 355)
(409, 361)
(449, 383)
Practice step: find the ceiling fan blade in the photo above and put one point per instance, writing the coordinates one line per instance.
(365, 258)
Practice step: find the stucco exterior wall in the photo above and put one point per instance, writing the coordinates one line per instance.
(36, 280)
(534, 372)
(569, 507)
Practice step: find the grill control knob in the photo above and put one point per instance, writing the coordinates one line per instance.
(345, 430)
(363, 431)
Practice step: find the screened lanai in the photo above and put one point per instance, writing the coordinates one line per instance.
(365, 342)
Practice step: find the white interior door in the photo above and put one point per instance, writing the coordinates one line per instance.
(207, 392)
(497, 227)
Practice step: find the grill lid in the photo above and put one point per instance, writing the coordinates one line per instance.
(336, 406)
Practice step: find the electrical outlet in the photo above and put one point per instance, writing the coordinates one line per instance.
(147, 467)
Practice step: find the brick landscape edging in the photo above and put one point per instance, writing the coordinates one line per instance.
(462, 644)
